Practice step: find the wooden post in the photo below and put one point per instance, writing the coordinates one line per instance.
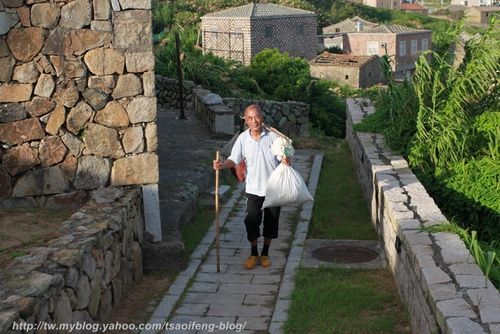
(179, 74)
(217, 223)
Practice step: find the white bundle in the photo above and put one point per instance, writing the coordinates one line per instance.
(282, 146)
(286, 187)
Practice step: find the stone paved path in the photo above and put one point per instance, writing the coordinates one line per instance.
(237, 296)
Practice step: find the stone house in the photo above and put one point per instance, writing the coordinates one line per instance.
(481, 15)
(332, 35)
(472, 3)
(403, 44)
(389, 4)
(241, 32)
(356, 71)
(414, 8)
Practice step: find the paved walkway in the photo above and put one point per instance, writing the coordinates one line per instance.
(236, 298)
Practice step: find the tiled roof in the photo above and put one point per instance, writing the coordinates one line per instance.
(391, 29)
(411, 6)
(350, 20)
(254, 10)
(327, 58)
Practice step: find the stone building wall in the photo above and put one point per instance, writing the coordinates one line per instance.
(77, 96)
(80, 276)
(437, 278)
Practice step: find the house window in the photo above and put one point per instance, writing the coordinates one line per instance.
(402, 48)
(425, 44)
(414, 46)
(347, 77)
(337, 29)
(268, 31)
(372, 48)
(299, 29)
(369, 74)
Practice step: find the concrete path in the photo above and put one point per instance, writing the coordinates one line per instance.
(237, 299)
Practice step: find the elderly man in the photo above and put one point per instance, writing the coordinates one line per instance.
(254, 146)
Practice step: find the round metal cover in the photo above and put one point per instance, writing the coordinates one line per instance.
(344, 254)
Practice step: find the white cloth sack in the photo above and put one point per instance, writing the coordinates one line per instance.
(286, 187)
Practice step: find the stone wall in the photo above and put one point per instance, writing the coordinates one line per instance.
(81, 275)
(77, 96)
(437, 278)
(168, 95)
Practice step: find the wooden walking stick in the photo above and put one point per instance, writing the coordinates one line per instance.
(217, 226)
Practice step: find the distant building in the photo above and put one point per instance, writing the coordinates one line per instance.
(241, 32)
(414, 8)
(389, 4)
(472, 3)
(332, 35)
(403, 44)
(356, 71)
(481, 15)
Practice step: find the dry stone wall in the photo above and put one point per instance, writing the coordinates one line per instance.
(437, 278)
(168, 95)
(77, 96)
(80, 276)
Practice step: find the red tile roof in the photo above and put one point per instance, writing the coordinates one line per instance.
(327, 58)
(411, 6)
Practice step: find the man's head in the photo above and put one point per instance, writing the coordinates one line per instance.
(254, 117)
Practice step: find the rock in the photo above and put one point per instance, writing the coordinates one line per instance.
(12, 112)
(101, 26)
(102, 9)
(83, 292)
(73, 143)
(92, 172)
(67, 94)
(6, 67)
(140, 61)
(15, 92)
(71, 298)
(21, 131)
(78, 116)
(128, 85)
(69, 67)
(4, 50)
(26, 73)
(20, 159)
(7, 21)
(139, 169)
(95, 294)
(44, 181)
(69, 201)
(24, 16)
(52, 151)
(96, 98)
(78, 41)
(56, 119)
(12, 3)
(39, 106)
(135, 4)
(136, 255)
(45, 15)
(105, 83)
(148, 82)
(45, 86)
(82, 317)
(76, 14)
(151, 137)
(25, 43)
(54, 45)
(133, 30)
(133, 140)
(7, 318)
(81, 84)
(62, 311)
(69, 167)
(44, 66)
(142, 109)
(117, 290)
(104, 61)
(102, 141)
(113, 115)
(67, 257)
(5, 183)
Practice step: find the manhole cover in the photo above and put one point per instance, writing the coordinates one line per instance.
(344, 254)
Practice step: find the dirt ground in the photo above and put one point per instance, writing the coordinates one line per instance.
(22, 229)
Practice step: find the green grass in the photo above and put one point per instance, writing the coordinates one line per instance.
(192, 233)
(340, 210)
(345, 301)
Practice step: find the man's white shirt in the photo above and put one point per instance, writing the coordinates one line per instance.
(259, 159)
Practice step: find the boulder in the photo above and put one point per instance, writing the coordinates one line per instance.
(45, 15)
(19, 132)
(78, 117)
(113, 115)
(12, 112)
(76, 14)
(142, 109)
(15, 92)
(20, 159)
(52, 151)
(26, 73)
(39, 106)
(128, 85)
(92, 172)
(138, 169)
(25, 43)
(102, 141)
(43, 181)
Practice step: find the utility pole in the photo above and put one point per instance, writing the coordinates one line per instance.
(179, 74)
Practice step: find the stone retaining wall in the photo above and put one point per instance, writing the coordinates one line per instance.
(81, 275)
(167, 92)
(222, 115)
(437, 278)
(77, 96)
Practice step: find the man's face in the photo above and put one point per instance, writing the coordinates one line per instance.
(254, 119)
